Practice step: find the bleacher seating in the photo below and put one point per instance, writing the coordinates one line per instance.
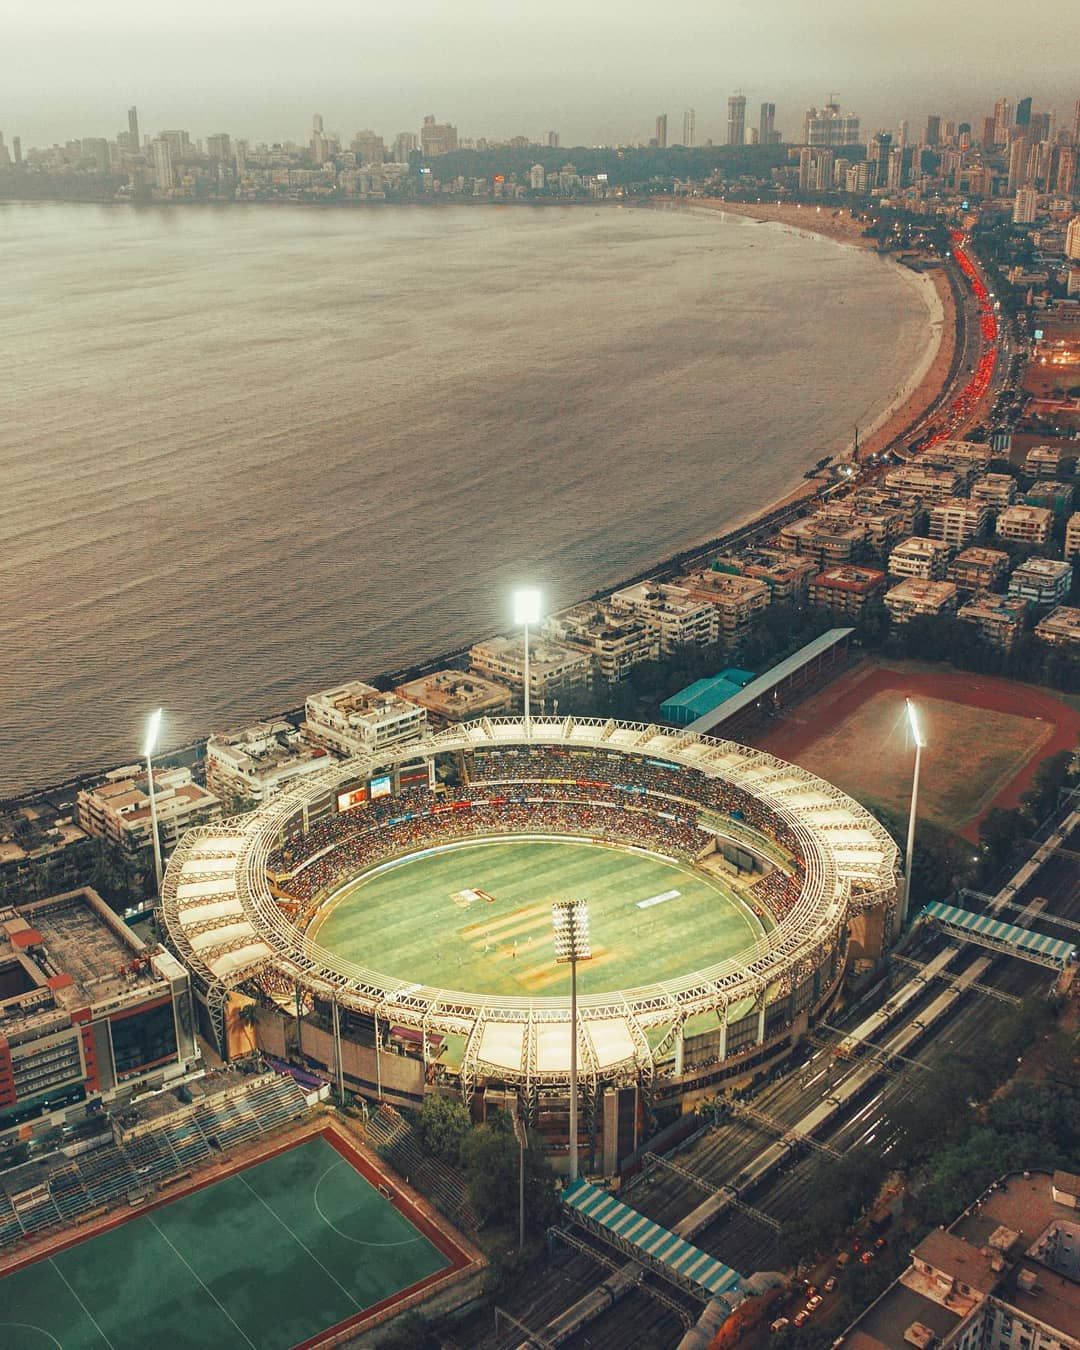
(442, 1184)
(109, 1174)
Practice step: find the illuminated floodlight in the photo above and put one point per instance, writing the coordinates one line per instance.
(571, 922)
(527, 606)
(153, 727)
(913, 722)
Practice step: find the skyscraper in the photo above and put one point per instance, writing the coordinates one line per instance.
(736, 120)
(219, 146)
(133, 128)
(766, 123)
(689, 127)
(1023, 112)
(932, 135)
(16, 149)
(661, 130)
(877, 155)
(553, 140)
(902, 133)
(316, 124)
(1003, 120)
(1018, 158)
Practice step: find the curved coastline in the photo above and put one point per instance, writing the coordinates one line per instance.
(899, 406)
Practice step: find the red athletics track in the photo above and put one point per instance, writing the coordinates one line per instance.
(824, 711)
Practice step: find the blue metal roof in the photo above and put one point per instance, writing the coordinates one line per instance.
(655, 1244)
(1024, 938)
(698, 698)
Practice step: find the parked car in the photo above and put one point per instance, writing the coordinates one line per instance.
(881, 1242)
(830, 1284)
(814, 1304)
(801, 1319)
(866, 1258)
(780, 1324)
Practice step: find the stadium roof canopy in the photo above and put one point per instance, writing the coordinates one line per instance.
(648, 1242)
(1025, 941)
(765, 684)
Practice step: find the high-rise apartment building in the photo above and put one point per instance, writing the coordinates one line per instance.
(163, 165)
(133, 128)
(219, 146)
(903, 133)
(932, 134)
(405, 142)
(830, 127)
(661, 130)
(766, 123)
(1025, 206)
(1023, 113)
(736, 119)
(689, 127)
(553, 140)
(437, 138)
(1072, 239)
(16, 149)
(1018, 163)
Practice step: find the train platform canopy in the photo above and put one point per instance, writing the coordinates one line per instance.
(647, 1242)
(1026, 941)
(704, 695)
(769, 684)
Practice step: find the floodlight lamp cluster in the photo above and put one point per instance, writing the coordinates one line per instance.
(152, 731)
(571, 921)
(527, 606)
(916, 726)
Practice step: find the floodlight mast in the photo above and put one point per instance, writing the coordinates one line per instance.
(571, 923)
(920, 741)
(152, 730)
(526, 612)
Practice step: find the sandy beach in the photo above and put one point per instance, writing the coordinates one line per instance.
(929, 377)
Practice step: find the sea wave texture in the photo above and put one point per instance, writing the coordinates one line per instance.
(247, 452)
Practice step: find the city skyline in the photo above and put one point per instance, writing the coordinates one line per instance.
(393, 69)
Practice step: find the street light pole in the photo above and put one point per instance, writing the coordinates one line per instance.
(526, 613)
(920, 742)
(571, 921)
(148, 750)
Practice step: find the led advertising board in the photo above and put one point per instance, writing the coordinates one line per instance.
(348, 800)
(380, 787)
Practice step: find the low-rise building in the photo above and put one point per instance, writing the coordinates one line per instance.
(1025, 524)
(915, 598)
(357, 719)
(884, 524)
(928, 484)
(738, 600)
(786, 574)
(615, 640)
(999, 618)
(86, 1011)
(1043, 461)
(958, 520)
(41, 847)
(979, 569)
(997, 490)
(451, 696)
(1042, 582)
(1004, 1276)
(678, 618)
(845, 590)
(1072, 536)
(920, 557)
(557, 671)
(118, 809)
(1060, 628)
(966, 457)
(247, 767)
(908, 505)
(826, 537)
(1052, 493)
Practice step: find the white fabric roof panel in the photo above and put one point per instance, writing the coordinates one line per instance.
(219, 937)
(196, 866)
(190, 890)
(502, 1044)
(224, 965)
(214, 909)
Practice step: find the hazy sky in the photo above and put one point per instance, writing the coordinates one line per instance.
(595, 70)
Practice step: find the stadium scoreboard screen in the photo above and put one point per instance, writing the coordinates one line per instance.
(371, 791)
(379, 787)
(348, 801)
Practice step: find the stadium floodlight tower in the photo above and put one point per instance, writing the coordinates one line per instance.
(526, 613)
(571, 920)
(920, 743)
(152, 730)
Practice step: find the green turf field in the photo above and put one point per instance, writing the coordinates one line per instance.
(265, 1258)
(405, 921)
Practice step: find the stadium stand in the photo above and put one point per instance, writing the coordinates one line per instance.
(38, 1196)
(393, 1138)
